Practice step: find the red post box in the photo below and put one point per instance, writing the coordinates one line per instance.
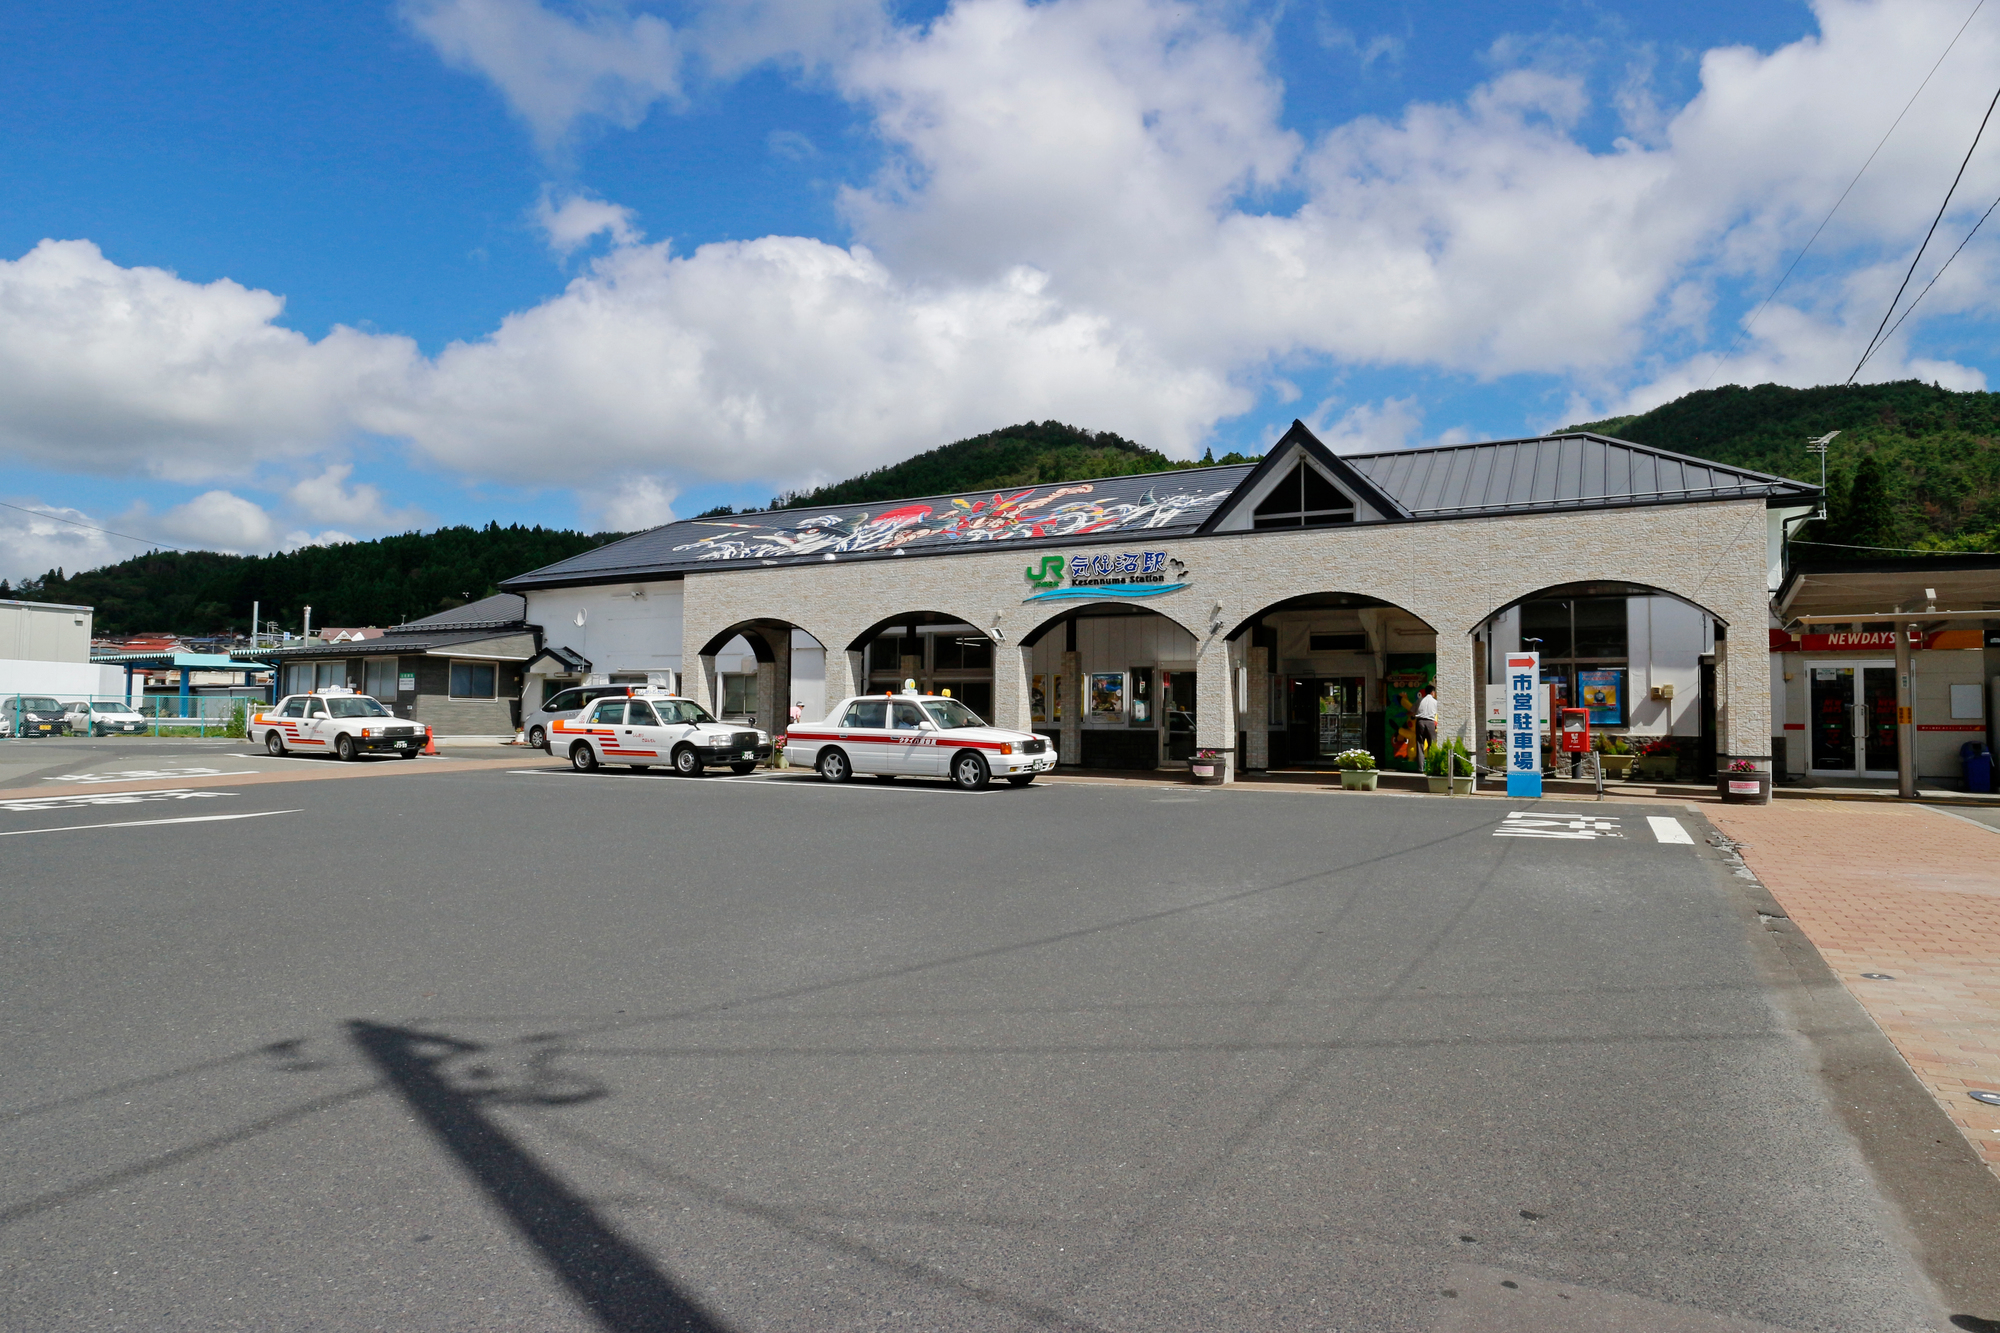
(1573, 727)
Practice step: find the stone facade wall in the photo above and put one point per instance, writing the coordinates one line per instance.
(1452, 574)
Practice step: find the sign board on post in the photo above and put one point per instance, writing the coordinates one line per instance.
(1524, 730)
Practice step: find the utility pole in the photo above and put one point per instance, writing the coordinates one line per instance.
(255, 607)
(1818, 446)
(1906, 739)
(309, 624)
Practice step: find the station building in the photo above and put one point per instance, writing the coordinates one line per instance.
(1275, 613)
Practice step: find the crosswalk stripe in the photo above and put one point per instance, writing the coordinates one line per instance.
(1668, 829)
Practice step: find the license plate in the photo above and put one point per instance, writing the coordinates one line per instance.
(749, 754)
(402, 745)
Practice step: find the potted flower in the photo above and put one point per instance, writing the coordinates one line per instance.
(1743, 784)
(1658, 759)
(1448, 768)
(1206, 767)
(1614, 754)
(1357, 770)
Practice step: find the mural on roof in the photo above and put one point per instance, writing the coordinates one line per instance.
(1004, 516)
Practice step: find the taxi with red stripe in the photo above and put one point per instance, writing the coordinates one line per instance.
(643, 728)
(338, 722)
(917, 735)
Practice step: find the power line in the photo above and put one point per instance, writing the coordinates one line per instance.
(1876, 341)
(1942, 267)
(42, 513)
(1751, 323)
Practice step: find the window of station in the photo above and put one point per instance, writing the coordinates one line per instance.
(1304, 499)
(886, 654)
(1337, 643)
(1584, 652)
(961, 652)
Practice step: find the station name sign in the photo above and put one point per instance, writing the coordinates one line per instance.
(1125, 574)
(1783, 641)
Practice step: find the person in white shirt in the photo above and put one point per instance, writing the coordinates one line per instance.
(1427, 720)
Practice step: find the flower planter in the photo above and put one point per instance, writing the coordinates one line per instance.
(1743, 788)
(1440, 786)
(1205, 775)
(1617, 766)
(1656, 767)
(1358, 779)
(1462, 786)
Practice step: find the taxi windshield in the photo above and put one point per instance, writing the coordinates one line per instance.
(950, 714)
(677, 712)
(356, 706)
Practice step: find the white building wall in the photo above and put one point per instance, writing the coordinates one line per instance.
(44, 632)
(1665, 641)
(626, 629)
(809, 675)
(65, 680)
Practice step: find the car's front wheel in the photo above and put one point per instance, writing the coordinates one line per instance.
(343, 748)
(582, 757)
(833, 766)
(274, 743)
(538, 738)
(969, 771)
(686, 762)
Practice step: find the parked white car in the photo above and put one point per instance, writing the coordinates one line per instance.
(336, 722)
(564, 706)
(918, 735)
(651, 727)
(93, 718)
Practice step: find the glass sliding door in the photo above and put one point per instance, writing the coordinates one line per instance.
(1852, 716)
(1831, 700)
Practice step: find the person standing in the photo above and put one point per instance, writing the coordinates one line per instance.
(1427, 721)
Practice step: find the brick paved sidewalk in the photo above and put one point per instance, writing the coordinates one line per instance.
(1906, 891)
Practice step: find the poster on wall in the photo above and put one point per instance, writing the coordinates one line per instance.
(1603, 693)
(1402, 685)
(1038, 699)
(1055, 698)
(1106, 696)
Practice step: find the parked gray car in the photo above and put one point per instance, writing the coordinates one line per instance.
(105, 719)
(566, 704)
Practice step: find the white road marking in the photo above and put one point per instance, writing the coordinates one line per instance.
(144, 774)
(1668, 829)
(1585, 828)
(77, 802)
(146, 823)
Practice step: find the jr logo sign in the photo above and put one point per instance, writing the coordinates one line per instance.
(1050, 575)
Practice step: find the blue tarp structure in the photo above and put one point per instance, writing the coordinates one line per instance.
(185, 663)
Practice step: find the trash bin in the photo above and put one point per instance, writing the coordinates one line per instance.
(1978, 761)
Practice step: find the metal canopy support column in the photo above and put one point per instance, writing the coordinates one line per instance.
(128, 684)
(184, 691)
(1906, 740)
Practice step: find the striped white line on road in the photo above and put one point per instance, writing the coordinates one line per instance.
(146, 823)
(1582, 828)
(1668, 829)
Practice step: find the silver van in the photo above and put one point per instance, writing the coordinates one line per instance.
(566, 704)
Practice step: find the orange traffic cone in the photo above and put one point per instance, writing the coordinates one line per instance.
(430, 741)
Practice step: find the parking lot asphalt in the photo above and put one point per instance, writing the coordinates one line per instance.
(522, 1048)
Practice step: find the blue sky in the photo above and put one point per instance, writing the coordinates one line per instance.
(322, 271)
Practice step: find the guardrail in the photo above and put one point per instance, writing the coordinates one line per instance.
(28, 714)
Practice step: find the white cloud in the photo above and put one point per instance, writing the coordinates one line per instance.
(327, 498)
(110, 369)
(32, 544)
(556, 70)
(220, 521)
(1392, 423)
(634, 502)
(578, 219)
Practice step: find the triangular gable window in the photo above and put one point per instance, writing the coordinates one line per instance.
(1304, 499)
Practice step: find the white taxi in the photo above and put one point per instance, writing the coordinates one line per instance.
(649, 727)
(919, 735)
(336, 722)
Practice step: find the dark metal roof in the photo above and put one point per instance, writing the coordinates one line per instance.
(390, 645)
(1549, 474)
(496, 612)
(1558, 472)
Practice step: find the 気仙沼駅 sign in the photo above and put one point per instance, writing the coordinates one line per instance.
(1121, 575)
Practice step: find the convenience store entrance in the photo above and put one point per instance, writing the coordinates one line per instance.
(1852, 706)
(1327, 716)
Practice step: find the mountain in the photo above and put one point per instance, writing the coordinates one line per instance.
(1914, 466)
(1031, 454)
(356, 583)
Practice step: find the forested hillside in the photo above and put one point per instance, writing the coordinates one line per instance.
(1026, 455)
(1914, 465)
(359, 583)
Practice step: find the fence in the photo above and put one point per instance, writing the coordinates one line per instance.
(36, 715)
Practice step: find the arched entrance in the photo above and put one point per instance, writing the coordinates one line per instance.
(1332, 671)
(1119, 685)
(1650, 666)
(758, 671)
(941, 652)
